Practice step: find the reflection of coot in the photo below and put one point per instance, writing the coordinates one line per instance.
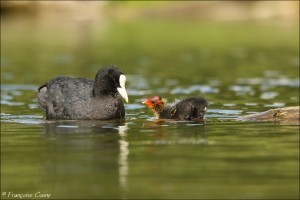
(80, 98)
(61, 127)
(86, 153)
(193, 108)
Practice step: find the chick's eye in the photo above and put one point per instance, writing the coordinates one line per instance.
(152, 98)
(155, 99)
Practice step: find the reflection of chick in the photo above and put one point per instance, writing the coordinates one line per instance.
(193, 108)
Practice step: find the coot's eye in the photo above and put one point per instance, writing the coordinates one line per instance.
(115, 81)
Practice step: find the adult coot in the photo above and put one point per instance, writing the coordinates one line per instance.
(81, 98)
(193, 108)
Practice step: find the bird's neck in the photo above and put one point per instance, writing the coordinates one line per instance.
(159, 108)
(102, 88)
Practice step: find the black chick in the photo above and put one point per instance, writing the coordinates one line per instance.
(193, 108)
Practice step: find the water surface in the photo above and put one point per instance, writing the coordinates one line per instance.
(240, 68)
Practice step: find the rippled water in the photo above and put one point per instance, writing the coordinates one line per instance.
(141, 157)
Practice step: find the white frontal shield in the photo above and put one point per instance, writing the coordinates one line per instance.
(121, 90)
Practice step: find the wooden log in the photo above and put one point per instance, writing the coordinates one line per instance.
(286, 114)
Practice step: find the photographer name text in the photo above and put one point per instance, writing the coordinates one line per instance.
(26, 195)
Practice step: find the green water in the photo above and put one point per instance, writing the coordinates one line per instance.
(241, 68)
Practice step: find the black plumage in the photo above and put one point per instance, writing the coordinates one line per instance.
(193, 108)
(81, 98)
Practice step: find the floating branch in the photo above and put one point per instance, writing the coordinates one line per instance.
(277, 114)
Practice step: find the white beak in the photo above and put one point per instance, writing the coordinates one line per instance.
(121, 89)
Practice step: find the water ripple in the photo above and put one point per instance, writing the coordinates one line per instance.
(183, 141)
(268, 95)
(271, 82)
(10, 103)
(195, 88)
(15, 87)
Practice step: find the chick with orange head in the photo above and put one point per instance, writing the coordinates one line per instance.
(193, 108)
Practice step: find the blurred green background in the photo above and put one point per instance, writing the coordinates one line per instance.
(158, 38)
(243, 56)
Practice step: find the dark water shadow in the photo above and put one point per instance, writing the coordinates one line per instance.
(84, 126)
(95, 150)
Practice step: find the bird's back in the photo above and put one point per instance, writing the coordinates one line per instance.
(65, 97)
(190, 108)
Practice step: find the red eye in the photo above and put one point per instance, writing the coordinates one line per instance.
(155, 99)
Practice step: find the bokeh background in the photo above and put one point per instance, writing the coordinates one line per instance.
(167, 45)
(242, 56)
(162, 39)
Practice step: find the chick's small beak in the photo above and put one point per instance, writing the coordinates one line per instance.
(148, 103)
